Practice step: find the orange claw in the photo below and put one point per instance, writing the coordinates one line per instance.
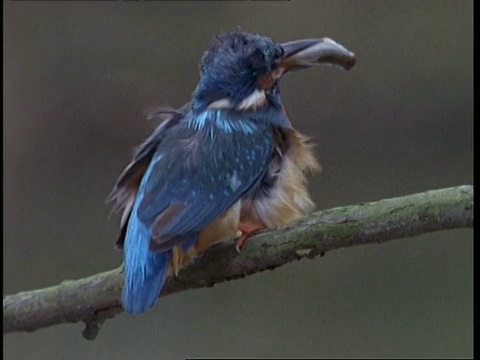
(247, 229)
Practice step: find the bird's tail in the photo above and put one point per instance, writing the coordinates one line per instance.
(145, 271)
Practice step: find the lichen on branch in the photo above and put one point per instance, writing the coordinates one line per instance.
(97, 298)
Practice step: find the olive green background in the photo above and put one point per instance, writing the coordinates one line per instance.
(78, 77)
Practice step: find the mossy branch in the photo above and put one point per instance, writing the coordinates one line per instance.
(96, 298)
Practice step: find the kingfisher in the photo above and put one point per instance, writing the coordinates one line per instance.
(225, 165)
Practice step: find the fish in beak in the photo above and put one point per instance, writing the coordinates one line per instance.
(302, 54)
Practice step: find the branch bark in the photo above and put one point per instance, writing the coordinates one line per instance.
(96, 298)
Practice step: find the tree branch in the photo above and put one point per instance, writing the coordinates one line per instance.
(96, 298)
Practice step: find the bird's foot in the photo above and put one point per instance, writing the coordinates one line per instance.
(247, 229)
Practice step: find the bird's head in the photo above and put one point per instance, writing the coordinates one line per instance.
(241, 70)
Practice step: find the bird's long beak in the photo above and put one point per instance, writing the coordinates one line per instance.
(301, 54)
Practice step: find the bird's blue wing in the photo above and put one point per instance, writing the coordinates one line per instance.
(199, 171)
(126, 187)
(201, 166)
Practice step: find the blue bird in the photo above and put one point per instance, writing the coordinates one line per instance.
(223, 166)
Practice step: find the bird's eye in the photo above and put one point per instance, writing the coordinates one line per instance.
(277, 57)
(279, 51)
(257, 59)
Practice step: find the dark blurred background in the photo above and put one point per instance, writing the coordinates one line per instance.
(78, 77)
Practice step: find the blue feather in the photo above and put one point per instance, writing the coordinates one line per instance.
(145, 271)
(203, 185)
(230, 68)
(201, 161)
(191, 189)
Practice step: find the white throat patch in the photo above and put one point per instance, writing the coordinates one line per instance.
(255, 100)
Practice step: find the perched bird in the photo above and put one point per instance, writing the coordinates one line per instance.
(227, 163)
